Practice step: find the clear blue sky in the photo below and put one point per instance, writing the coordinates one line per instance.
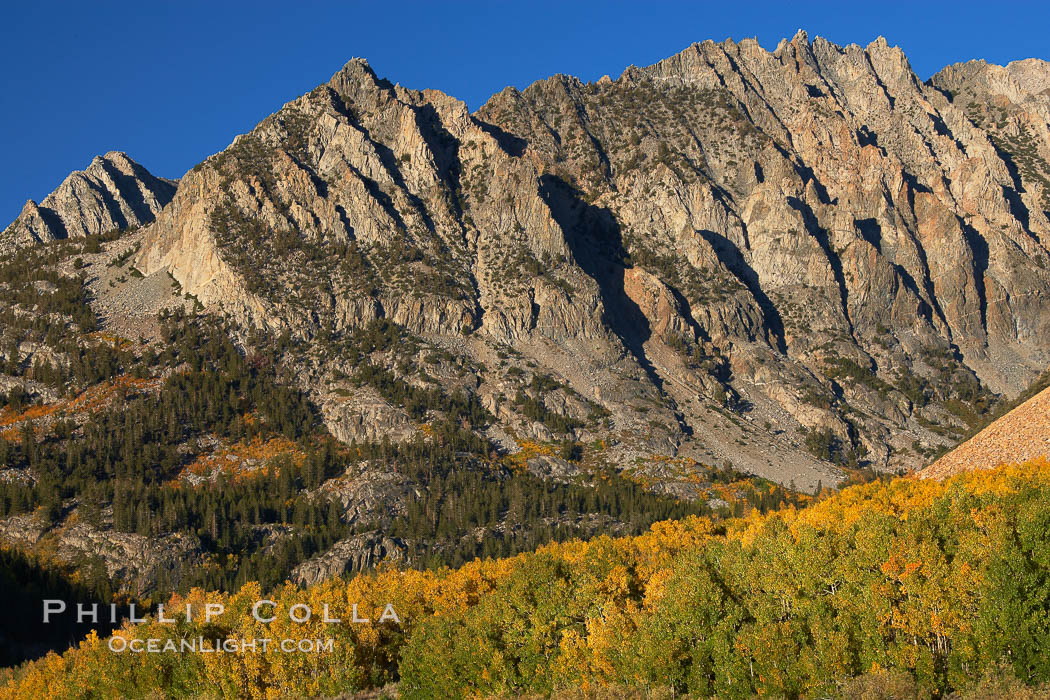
(172, 82)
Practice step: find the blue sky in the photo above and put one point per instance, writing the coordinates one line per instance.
(170, 83)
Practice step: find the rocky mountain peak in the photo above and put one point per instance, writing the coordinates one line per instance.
(1019, 82)
(1031, 74)
(113, 192)
(355, 70)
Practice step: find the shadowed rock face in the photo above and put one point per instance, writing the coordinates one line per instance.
(846, 256)
(114, 192)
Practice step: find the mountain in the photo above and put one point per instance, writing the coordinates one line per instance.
(734, 253)
(113, 192)
(380, 327)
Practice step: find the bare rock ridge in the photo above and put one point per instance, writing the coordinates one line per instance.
(113, 192)
(790, 261)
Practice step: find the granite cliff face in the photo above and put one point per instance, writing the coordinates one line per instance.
(781, 259)
(113, 192)
(1012, 105)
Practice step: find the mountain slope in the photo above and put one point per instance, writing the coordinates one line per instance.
(734, 253)
(1022, 434)
(113, 192)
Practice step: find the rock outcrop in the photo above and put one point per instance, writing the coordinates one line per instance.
(137, 563)
(368, 494)
(113, 192)
(349, 556)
